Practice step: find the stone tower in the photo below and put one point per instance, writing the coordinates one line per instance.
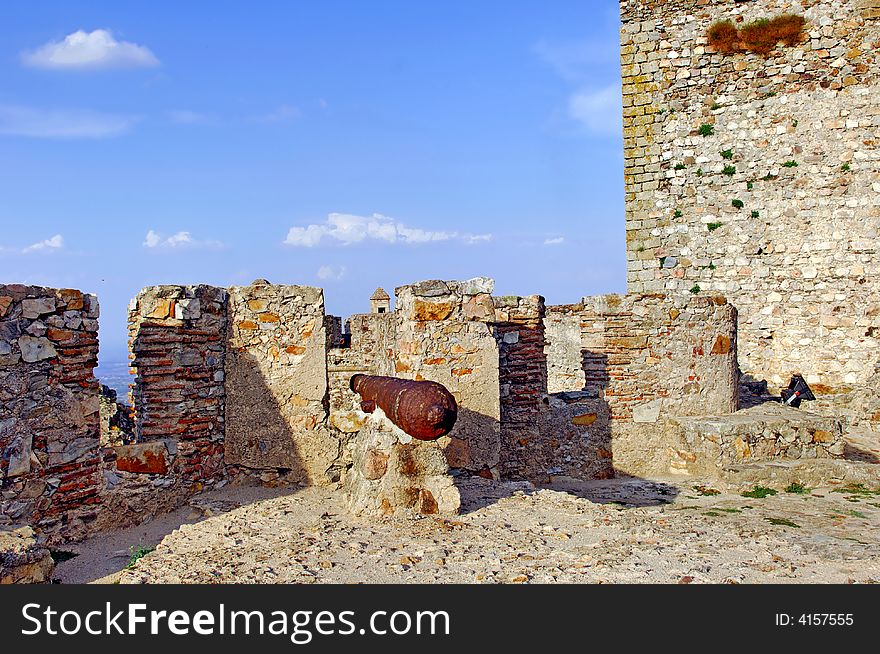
(757, 175)
(380, 301)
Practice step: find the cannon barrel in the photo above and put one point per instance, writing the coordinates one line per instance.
(423, 409)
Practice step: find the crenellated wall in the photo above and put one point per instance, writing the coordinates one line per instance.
(759, 178)
(252, 383)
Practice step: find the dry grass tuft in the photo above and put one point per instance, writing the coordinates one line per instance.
(760, 36)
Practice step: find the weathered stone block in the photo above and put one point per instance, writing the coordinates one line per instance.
(35, 349)
(648, 412)
(33, 308)
(721, 345)
(148, 458)
(391, 473)
(423, 311)
(23, 559)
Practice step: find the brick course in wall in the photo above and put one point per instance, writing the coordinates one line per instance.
(798, 258)
(519, 329)
(178, 349)
(645, 358)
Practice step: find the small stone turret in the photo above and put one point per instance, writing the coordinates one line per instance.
(380, 301)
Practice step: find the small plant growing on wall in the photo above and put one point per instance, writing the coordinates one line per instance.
(755, 214)
(678, 213)
(706, 129)
(790, 164)
(738, 204)
(727, 154)
(759, 36)
(845, 167)
(695, 289)
(679, 166)
(762, 35)
(713, 226)
(724, 37)
(729, 170)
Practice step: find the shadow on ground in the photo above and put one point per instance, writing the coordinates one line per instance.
(625, 491)
(102, 557)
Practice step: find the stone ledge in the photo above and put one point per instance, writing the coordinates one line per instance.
(768, 432)
(23, 559)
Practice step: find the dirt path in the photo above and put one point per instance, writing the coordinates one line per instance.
(103, 558)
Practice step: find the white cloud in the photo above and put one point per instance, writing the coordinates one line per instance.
(559, 240)
(156, 241)
(331, 272)
(49, 245)
(600, 111)
(594, 101)
(347, 229)
(89, 50)
(62, 123)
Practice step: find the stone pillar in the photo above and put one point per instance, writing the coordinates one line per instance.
(392, 473)
(444, 334)
(276, 385)
(178, 338)
(49, 409)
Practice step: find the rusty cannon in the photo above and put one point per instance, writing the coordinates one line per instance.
(423, 409)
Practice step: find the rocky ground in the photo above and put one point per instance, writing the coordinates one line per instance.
(615, 531)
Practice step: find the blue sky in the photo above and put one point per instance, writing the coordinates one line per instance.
(339, 144)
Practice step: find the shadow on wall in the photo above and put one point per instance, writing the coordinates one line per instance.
(566, 445)
(258, 435)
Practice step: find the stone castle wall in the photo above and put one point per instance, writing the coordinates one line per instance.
(519, 329)
(794, 138)
(443, 334)
(276, 383)
(49, 409)
(252, 382)
(645, 358)
(650, 355)
(178, 349)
